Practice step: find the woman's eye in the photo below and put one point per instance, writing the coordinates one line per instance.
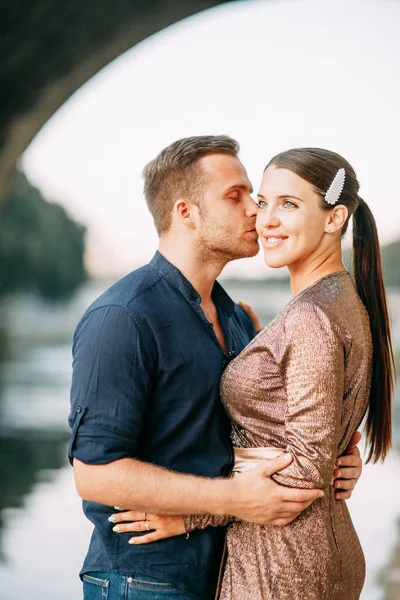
(288, 204)
(261, 203)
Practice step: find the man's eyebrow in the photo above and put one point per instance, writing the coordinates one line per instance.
(240, 186)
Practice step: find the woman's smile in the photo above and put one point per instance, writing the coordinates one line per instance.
(270, 242)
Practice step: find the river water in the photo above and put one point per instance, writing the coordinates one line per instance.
(43, 533)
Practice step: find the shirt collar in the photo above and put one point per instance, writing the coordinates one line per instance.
(174, 276)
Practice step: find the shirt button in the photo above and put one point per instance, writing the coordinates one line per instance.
(79, 409)
(130, 579)
(193, 295)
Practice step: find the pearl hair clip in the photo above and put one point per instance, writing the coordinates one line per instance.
(336, 187)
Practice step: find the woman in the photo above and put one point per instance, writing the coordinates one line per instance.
(306, 381)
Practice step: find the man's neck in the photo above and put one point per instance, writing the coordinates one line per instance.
(201, 274)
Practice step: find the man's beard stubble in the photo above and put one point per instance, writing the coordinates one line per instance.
(218, 245)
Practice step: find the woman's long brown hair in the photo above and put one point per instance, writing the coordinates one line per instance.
(319, 167)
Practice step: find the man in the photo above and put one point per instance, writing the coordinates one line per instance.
(148, 429)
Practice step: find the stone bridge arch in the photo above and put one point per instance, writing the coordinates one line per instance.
(50, 48)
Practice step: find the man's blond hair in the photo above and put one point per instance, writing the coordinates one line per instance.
(176, 173)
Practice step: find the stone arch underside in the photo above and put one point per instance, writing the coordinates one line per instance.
(49, 49)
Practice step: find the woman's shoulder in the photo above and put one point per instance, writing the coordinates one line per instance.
(326, 297)
(307, 314)
(332, 308)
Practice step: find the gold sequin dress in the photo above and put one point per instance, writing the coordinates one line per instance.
(302, 384)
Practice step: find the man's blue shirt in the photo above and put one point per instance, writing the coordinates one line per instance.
(146, 372)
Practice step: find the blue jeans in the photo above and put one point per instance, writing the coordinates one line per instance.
(113, 586)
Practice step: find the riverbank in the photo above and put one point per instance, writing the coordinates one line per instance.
(390, 576)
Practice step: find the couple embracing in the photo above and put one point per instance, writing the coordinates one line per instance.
(214, 458)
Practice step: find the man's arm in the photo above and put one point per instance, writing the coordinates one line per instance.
(350, 470)
(250, 496)
(112, 380)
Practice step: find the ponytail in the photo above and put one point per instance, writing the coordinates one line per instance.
(367, 269)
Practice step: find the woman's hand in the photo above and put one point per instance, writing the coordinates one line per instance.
(159, 526)
(253, 316)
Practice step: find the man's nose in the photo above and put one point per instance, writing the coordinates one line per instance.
(251, 208)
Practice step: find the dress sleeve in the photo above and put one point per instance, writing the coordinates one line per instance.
(193, 522)
(313, 371)
(111, 384)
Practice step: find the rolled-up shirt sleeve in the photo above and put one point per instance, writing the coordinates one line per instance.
(111, 385)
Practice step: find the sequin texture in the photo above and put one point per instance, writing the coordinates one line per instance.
(302, 384)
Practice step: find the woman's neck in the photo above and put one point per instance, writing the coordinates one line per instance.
(302, 276)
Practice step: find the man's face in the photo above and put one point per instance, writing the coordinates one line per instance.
(227, 213)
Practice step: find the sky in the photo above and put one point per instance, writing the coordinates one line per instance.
(274, 74)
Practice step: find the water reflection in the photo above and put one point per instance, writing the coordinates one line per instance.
(24, 455)
(35, 373)
(27, 457)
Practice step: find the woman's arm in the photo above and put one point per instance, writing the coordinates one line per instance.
(313, 371)
(193, 522)
(162, 526)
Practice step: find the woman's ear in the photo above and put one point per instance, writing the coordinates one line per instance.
(337, 218)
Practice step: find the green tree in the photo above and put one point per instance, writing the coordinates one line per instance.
(391, 263)
(41, 246)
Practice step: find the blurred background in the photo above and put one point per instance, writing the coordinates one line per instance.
(91, 91)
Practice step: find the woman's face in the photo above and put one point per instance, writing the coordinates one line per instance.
(290, 222)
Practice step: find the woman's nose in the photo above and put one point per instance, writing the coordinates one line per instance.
(267, 218)
(273, 221)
